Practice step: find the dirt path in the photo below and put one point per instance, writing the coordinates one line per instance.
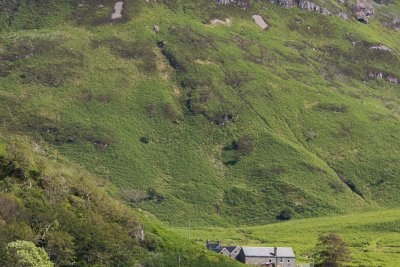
(117, 14)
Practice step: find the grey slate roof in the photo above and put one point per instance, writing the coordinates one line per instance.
(284, 252)
(231, 248)
(213, 245)
(218, 250)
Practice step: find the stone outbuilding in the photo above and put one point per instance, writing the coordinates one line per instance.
(231, 251)
(268, 256)
(259, 256)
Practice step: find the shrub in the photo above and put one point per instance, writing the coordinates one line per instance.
(151, 110)
(285, 214)
(26, 254)
(155, 196)
(310, 135)
(244, 145)
(134, 196)
(337, 186)
(332, 107)
(61, 248)
(237, 79)
(332, 251)
(170, 113)
(173, 61)
(11, 168)
(144, 139)
(269, 172)
(10, 209)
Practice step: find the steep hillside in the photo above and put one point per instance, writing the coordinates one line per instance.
(213, 121)
(62, 208)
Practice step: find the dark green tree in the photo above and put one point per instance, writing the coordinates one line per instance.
(285, 214)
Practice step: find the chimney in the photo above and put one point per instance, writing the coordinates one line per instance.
(275, 251)
(219, 241)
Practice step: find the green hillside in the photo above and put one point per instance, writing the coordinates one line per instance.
(59, 206)
(219, 122)
(225, 124)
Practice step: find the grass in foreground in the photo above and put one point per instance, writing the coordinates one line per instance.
(374, 237)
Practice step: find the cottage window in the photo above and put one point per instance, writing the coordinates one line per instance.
(288, 261)
(270, 260)
(281, 260)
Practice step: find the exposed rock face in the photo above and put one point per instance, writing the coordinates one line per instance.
(363, 10)
(260, 22)
(285, 3)
(117, 12)
(241, 3)
(310, 6)
(342, 15)
(393, 23)
(302, 4)
(383, 75)
(381, 47)
(218, 22)
(383, 2)
(139, 234)
(396, 24)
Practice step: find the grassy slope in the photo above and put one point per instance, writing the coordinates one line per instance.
(300, 89)
(374, 237)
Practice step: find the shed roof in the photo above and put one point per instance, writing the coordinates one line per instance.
(284, 252)
(231, 248)
(213, 245)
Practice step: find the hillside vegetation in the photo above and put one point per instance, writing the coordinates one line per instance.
(189, 111)
(219, 124)
(63, 209)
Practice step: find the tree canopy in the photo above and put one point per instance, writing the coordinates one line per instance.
(332, 251)
(26, 254)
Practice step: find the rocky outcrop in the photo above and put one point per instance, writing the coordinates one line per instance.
(241, 3)
(218, 22)
(384, 2)
(310, 6)
(260, 22)
(380, 47)
(342, 15)
(285, 3)
(383, 75)
(396, 24)
(117, 12)
(304, 4)
(393, 23)
(363, 10)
